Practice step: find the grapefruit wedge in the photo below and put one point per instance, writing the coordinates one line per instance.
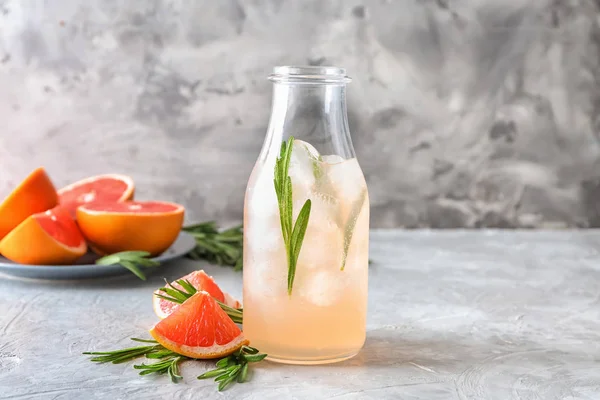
(48, 238)
(150, 226)
(35, 194)
(100, 188)
(201, 282)
(199, 328)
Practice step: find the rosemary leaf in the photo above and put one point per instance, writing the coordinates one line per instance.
(211, 374)
(160, 354)
(296, 242)
(144, 340)
(254, 357)
(349, 229)
(174, 370)
(225, 383)
(132, 260)
(222, 377)
(235, 370)
(249, 350)
(133, 268)
(168, 298)
(123, 355)
(223, 362)
(243, 374)
(186, 285)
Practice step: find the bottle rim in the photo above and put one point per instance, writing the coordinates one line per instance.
(309, 75)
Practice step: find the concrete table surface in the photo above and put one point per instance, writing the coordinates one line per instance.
(453, 315)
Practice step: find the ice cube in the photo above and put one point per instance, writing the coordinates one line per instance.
(322, 247)
(323, 288)
(304, 166)
(323, 241)
(347, 179)
(324, 206)
(262, 221)
(266, 274)
(262, 191)
(263, 235)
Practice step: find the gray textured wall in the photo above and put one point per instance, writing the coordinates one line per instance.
(463, 113)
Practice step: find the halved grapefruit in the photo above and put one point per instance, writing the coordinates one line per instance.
(201, 282)
(48, 238)
(199, 328)
(150, 226)
(35, 194)
(100, 188)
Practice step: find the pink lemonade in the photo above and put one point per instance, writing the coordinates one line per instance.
(324, 318)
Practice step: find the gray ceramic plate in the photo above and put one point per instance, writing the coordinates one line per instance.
(85, 267)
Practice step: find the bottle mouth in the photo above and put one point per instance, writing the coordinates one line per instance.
(309, 75)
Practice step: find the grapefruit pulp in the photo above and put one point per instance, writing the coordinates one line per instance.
(150, 226)
(199, 328)
(102, 188)
(201, 282)
(35, 194)
(47, 238)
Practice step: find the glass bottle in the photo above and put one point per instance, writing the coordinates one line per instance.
(321, 316)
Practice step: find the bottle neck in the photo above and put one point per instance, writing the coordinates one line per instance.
(312, 112)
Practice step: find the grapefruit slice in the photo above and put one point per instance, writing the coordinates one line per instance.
(150, 226)
(103, 188)
(48, 238)
(202, 282)
(35, 194)
(199, 328)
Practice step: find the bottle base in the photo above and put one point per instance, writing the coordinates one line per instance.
(311, 360)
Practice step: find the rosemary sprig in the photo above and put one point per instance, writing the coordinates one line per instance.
(233, 368)
(293, 233)
(349, 229)
(169, 365)
(169, 359)
(132, 260)
(187, 290)
(217, 247)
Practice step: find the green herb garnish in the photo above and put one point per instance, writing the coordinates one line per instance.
(234, 367)
(132, 260)
(169, 365)
(349, 229)
(217, 247)
(177, 295)
(169, 360)
(293, 233)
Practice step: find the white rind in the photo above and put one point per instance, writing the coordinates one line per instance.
(179, 209)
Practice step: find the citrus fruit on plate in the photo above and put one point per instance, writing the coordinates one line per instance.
(85, 267)
(51, 237)
(100, 188)
(150, 226)
(199, 328)
(201, 282)
(35, 194)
